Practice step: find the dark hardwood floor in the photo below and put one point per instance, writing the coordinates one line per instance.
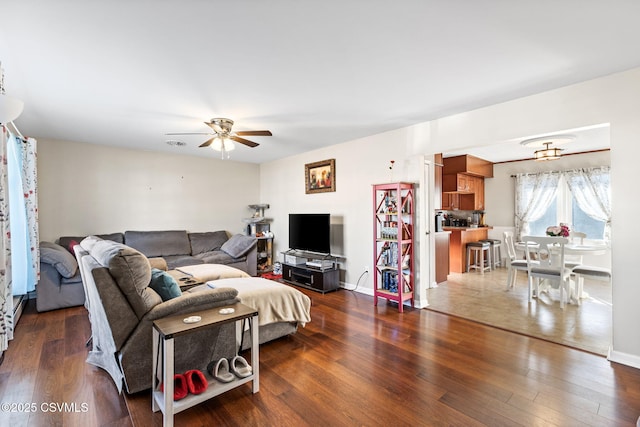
(354, 364)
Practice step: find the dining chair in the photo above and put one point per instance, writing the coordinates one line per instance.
(575, 238)
(514, 263)
(550, 266)
(592, 272)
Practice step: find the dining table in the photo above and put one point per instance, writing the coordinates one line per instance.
(585, 249)
(575, 249)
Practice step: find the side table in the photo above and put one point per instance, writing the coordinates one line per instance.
(164, 332)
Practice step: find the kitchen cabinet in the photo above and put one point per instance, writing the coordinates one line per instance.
(462, 191)
(437, 185)
(468, 165)
(479, 194)
(458, 182)
(450, 201)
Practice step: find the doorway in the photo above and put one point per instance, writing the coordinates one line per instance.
(485, 299)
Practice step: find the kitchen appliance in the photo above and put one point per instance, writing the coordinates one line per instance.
(475, 218)
(439, 221)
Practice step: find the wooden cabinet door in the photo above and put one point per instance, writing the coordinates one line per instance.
(463, 182)
(437, 185)
(479, 193)
(450, 201)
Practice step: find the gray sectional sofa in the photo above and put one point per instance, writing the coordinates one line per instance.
(60, 283)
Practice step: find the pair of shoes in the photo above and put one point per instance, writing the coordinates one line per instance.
(180, 389)
(196, 381)
(192, 381)
(240, 367)
(220, 369)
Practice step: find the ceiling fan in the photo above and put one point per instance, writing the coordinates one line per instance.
(222, 135)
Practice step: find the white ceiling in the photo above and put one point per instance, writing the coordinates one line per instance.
(125, 73)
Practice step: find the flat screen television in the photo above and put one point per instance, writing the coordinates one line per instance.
(310, 232)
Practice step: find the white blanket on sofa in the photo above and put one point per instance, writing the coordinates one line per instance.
(274, 301)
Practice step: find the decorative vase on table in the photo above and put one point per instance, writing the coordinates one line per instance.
(561, 230)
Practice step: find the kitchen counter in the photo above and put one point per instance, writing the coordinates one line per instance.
(451, 228)
(442, 255)
(460, 236)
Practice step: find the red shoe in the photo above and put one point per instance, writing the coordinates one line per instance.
(180, 390)
(196, 381)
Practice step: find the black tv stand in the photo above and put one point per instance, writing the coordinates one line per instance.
(310, 270)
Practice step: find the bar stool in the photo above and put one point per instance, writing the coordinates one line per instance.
(479, 249)
(496, 251)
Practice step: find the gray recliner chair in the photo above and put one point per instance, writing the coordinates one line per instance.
(122, 307)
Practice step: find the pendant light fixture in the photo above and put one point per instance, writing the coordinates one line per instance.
(10, 108)
(547, 151)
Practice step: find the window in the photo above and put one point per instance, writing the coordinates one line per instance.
(565, 209)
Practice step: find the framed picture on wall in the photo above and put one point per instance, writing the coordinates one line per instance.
(320, 177)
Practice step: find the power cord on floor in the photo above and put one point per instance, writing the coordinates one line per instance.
(357, 282)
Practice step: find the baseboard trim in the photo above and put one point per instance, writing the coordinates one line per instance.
(623, 358)
(18, 305)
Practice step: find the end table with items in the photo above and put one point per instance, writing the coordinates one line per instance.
(164, 332)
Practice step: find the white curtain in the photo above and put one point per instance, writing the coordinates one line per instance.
(592, 191)
(6, 292)
(534, 194)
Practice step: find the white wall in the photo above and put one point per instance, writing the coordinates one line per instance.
(613, 99)
(91, 189)
(359, 165)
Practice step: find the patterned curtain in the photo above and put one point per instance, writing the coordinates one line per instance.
(30, 187)
(592, 191)
(534, 194)
(6, 292)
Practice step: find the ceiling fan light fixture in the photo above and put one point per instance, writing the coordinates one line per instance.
(547, 153)
(222, 138)
(223, 144)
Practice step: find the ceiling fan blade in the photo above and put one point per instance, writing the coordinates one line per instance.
(254, 133)
(244, 141)
(193, 133)
(207, 142)
(216, 127)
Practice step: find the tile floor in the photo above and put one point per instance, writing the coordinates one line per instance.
(485, 299)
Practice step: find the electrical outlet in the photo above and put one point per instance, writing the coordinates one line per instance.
(366, 268)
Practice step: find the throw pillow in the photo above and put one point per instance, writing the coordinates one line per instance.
(59, 257)
(164, 284)
(72, 244)
(207, 242)
(238, 245)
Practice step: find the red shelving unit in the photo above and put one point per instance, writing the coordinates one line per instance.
(393, 227)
